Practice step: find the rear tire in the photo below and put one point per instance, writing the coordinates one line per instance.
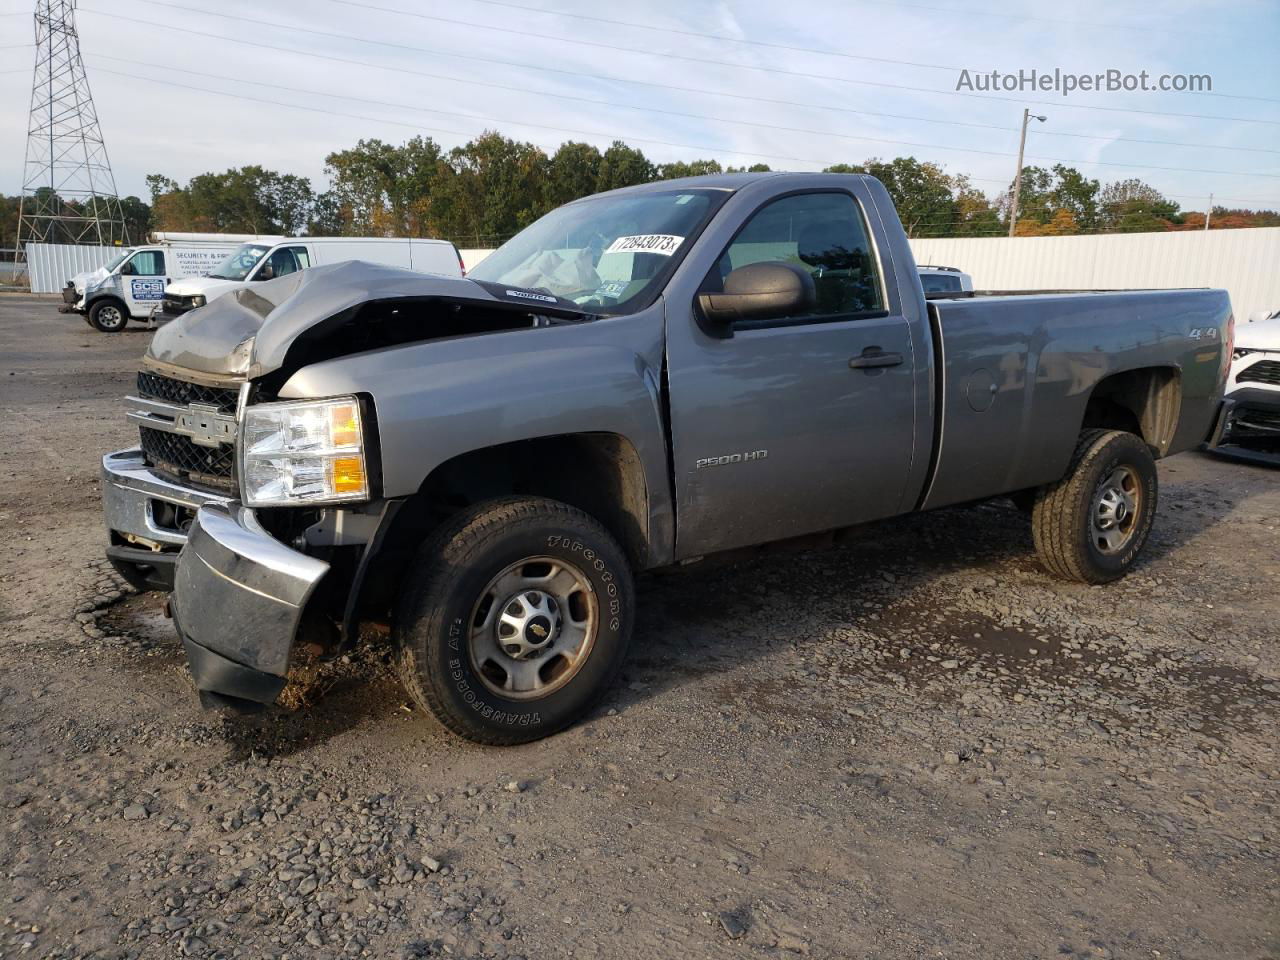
(1091, 525)
(108, 316)
(515, 619)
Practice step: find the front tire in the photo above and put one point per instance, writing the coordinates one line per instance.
(1091, 525)
(108, 316)
(515, 619)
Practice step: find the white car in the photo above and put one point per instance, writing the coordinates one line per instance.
(944, 281)
(1250, 417)
(268, 259)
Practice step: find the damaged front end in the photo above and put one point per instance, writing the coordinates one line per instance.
(242, 501)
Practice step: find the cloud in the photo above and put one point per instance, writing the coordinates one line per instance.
(182, 124)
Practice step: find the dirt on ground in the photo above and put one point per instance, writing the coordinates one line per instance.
(917, 744)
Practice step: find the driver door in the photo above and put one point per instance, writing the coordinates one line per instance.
(145, 282)
(792, 424)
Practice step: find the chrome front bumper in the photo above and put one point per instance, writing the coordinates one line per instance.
(238, 598)
(238, 593)
(146, 517)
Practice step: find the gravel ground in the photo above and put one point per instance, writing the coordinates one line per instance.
(916, 744)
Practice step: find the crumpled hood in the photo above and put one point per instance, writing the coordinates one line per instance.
(1259, 335)
(82, 280)
(246, 333)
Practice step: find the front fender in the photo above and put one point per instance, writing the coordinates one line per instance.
(439, 400)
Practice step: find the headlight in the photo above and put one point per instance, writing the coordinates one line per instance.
(308, 451)
(198, 301)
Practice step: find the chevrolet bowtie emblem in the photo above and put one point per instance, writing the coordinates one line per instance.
(538, 629)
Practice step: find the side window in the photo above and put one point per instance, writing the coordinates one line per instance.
(283, 262)
(148, 263)
(825, 234)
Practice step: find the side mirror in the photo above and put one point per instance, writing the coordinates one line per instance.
(127, 269)
(267, 272)
(759, 291)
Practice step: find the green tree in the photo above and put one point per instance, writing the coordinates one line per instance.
(497, 187)
(378, 189)
(8, 223)
(246, 200)
(922, 193)
(693, 168)
(624, 166)
(137, 218)
(975, 215)
(1132, 206)
(573, 172)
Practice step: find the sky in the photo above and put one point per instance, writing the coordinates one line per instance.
(183, 88)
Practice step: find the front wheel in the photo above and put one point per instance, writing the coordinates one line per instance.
(1091, 525)
(514, 620)
(108, 316)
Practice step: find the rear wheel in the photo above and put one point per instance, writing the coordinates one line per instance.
(1092, 524)
(108, 316)
(515, 620)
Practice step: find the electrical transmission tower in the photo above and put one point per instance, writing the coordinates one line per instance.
(68, 191)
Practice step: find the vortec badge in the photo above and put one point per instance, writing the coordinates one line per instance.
(525, 295)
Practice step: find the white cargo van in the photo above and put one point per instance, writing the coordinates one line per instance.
(262, 260)
(132, 283)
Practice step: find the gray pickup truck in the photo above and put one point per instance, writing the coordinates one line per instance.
(639, 379)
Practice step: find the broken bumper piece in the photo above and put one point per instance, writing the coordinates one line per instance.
(239, 595)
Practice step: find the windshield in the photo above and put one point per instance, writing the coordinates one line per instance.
(238, 265)
(118, 259)
(607, 255)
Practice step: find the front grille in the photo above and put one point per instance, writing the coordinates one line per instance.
(181, 392)
(1264, 371)
(1259, 419)
(177, 456)
(176, 304)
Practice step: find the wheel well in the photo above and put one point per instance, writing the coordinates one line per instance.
(1144, 402)
(599, 473)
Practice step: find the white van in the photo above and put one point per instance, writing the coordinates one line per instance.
(132, 283)
(263, 260)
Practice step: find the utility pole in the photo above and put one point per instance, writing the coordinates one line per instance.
(1208, 213)
(1017, 177)
(68, 190)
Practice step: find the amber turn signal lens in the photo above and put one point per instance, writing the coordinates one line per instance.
(344, 425)
(348, 475)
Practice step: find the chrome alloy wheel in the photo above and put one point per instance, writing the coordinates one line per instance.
(1117, 504)
(533, 628)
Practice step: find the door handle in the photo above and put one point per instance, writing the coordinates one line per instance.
(875, 357)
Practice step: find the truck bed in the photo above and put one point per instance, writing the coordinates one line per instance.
(1015, 372)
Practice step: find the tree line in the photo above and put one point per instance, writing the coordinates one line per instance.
(483, 192)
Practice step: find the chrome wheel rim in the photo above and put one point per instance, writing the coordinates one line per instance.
(1117, 504)
(110, 317)
(533, 628)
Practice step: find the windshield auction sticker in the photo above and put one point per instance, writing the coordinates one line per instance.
(663, 243)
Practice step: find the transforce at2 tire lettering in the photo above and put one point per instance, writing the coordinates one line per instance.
(515, 619)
